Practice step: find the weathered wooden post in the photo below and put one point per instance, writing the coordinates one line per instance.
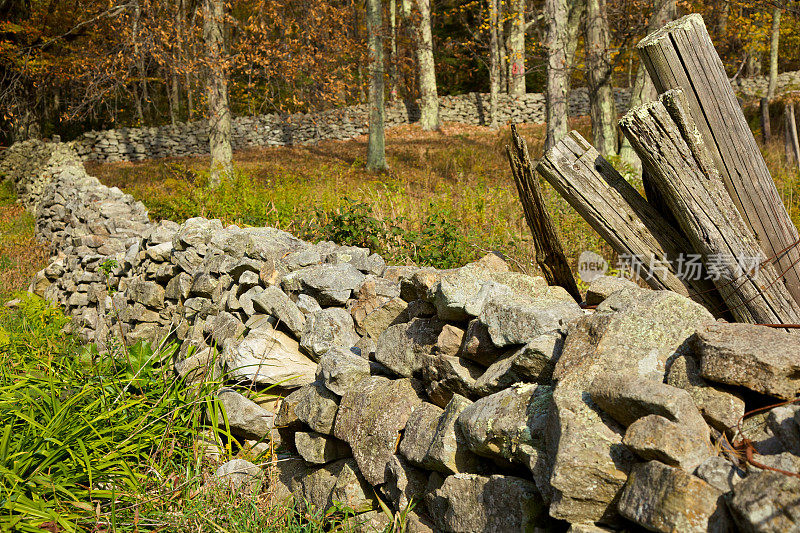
(665, 138)
(681, 56)
(622, 217)
(549, 253)
(792, 145)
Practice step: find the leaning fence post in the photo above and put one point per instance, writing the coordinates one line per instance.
(681, 56)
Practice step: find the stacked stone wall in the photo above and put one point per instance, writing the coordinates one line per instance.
(480, 396)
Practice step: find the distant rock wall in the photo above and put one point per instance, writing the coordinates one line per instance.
(488, 400)
(134, 144)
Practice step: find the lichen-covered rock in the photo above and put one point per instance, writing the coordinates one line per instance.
(674, 444)
(448, 451)
(664, 498)
(419, 432)
(720, 473)
(602, 287)
(633, 332)
(315, 406)
(339, 481)
(274, 301)
(370, 419)
(316, 448)
(327, 329)
(447, 375)
(340, 369)
(406, 348)
(328, 284)
(763, 359)
(532, 363)
(784, 421)
(404, 484)
(466, 503)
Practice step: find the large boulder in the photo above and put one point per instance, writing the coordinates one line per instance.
(634, 332)
(371, 416)
(763, 359)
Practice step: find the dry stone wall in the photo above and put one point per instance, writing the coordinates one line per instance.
(486, 399)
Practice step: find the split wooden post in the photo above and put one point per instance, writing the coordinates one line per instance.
(549, 253)
(666, 139)
(681, 56)
(622, 217)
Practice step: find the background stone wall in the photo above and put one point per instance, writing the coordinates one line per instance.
(489, 400)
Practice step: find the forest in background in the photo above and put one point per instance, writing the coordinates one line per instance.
(67, 66)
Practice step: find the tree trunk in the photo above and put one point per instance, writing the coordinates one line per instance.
(219, 113)
(376, 151)
(393, 50)
(643, 89)
(501, 46)
(494, 61)
(601, 95)
(766, 126)
(774, 39)
(562, 32)
(429, 97)
(516, 49)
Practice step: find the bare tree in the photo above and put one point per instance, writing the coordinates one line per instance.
(774, 39)
(516, 49)
(563, 25)
(219, 112)
(601, 95)
(429, 97)
(494, 60)
(643, 89)
(376, 149)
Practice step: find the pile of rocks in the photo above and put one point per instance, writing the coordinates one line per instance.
(482, 397)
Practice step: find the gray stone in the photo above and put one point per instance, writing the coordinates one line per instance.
(196, 232)
(511, 425)
(721, 409)
(307, 305)
(783, 421)
(283, 474)
(511, 319)
(664, 498)
(406, 348)
(604, 286)
(326, 329)
(317, 448)
(274, 301)
(339, 481)
(370, 419)
(340, 370)
(205, 285)
(225, 326)
(720, 473)
(404, 484)
(328, 284)
(377, 320)
(316, 407)
(147, 293)
(445, 376)
(369, 522)
(160, 252)
(657, 438)
(763, 359)
(270, 357)
(468, 503)
(532, 363)
(238, 474)
(419, 433)
(767, 502)
(246, 300)
(448, 452)
(477, 345)
(456, 293)
(633, 332)
(245, 417)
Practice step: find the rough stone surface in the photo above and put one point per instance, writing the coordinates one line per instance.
(316, 448)
(666, 499)
(316, 406)
(720, 473)
(406, 348)
(274, 301)
(767, 502)
(766, 360)
(244, 416)
(468, 503)
(238, 474)
(533, 362)
(784, 422)
(327, 329)
(633, 332)
(419, 432)
(328, 284)
(448, 451)
(270, 357)
(340, 370)
(404, 483)
(604, 286)
(371, 417)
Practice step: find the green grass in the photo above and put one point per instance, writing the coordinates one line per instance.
(448, 198)
(20, 255)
